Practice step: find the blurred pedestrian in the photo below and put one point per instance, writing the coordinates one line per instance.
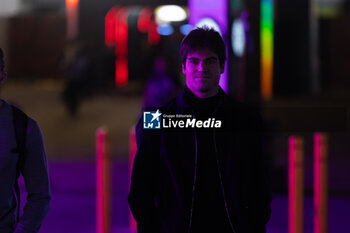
(21, 152)
(77, 64)
(161, 87)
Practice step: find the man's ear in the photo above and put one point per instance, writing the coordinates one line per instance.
(222, 68)
(183, 69)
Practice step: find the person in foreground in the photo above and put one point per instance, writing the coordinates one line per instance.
(209, 175)
(21, 153)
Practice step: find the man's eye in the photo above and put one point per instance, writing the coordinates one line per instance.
(193, 62)
(212, 61)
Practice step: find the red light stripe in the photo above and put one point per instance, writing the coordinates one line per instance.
(110, 21)
(121, 71)
(144, 20)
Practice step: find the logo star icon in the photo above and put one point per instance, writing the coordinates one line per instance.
(156, 115)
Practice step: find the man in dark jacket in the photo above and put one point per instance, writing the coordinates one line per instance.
(29, 160)
(203, 170)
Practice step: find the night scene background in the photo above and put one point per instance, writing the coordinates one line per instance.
(77, 65)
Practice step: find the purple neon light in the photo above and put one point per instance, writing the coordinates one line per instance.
(217, 10)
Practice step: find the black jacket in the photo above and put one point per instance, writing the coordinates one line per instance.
(162, 190)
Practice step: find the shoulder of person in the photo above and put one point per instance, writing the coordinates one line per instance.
(31, 124)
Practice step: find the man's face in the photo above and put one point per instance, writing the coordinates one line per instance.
(202, 70)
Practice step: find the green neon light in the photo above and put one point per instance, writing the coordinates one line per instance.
(266, 43)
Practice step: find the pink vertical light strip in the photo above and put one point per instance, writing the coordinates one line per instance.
(295, 185)
(291, 184)
(100, 150)
(133, 149)
(103, 181)
(317, 155)
(320, 182)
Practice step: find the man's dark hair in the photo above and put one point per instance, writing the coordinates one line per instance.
(203, 38)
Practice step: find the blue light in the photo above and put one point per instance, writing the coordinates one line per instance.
(185, 29)
(165, 29)
(238, 38)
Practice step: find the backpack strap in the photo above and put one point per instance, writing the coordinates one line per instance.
(20, 122)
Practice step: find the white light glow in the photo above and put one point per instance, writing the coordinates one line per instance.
(238, 39)
(170, 13)
(210, 23)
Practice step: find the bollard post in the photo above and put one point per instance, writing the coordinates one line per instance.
(103, 181)
(320, 182)
(133, 149)
(295, 184)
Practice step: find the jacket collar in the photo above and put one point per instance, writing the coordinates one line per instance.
(184, 104)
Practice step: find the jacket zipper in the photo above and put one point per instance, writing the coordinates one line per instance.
(222, 185)
(220, 178)
(194, 179)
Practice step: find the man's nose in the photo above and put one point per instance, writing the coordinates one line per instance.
(202, 66)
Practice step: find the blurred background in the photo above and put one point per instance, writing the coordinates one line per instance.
(77, 65)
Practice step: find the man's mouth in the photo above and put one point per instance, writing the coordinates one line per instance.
(202, 77)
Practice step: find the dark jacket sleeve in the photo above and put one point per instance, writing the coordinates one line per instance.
(36, 178)
(144, 180)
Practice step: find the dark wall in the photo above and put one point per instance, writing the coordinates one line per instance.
(36, 43)
(335, 53)
(291, 48)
